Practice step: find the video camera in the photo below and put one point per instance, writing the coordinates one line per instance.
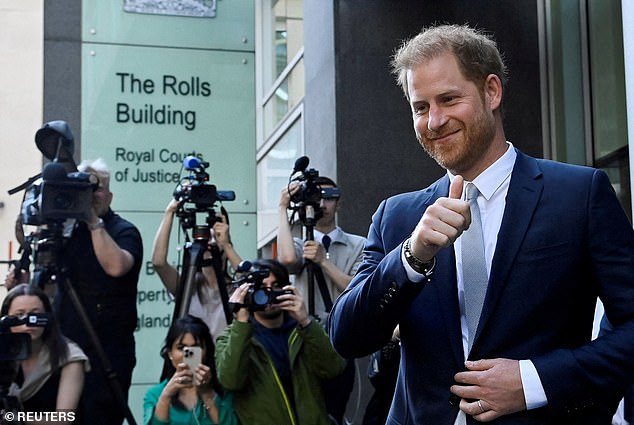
(14, 347)
(309, 192)
(308, 197)
(197, 194)
(60, 192)
(257, 297)
(195, 188)
(17, 346)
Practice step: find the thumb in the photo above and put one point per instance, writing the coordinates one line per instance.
(455, 190)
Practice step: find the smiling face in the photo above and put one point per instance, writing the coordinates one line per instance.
(23, 305)
(454, 119)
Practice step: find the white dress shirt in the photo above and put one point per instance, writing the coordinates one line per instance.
(493, 184)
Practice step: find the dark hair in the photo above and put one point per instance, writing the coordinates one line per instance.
(279, 271)
(189, 324)
(320, 180)
(476, 53)
(52, 336)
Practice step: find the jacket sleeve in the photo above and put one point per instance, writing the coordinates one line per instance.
(232, 355)
(323, 358)
(575, 378)
(149, 404)
(365, 314)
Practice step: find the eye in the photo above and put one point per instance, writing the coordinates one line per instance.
(420, 109)
(449, 99)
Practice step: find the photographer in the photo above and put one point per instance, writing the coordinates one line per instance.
(102, 259)
(337, 253)
(275, 359)
(184, 392)
(52, 377)
(339, 257)
(206, 302)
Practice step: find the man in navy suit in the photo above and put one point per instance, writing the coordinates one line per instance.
(555, 237)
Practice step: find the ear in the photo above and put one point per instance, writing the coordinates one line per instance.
(493, 91)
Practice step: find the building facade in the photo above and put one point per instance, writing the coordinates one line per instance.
(319, 85)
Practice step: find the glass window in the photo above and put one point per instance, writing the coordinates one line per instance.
(567, 83)
(609, 109)
(281, 93)
(286, 37)
(285, 97)
(273, 171)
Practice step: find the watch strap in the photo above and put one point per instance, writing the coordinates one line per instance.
(426, 268)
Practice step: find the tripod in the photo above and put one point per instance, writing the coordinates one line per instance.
(193, 263)
(46, 271)
(313, 271)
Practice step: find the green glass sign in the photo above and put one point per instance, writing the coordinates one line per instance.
(157, 88)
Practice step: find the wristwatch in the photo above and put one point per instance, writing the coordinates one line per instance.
(98, 225)
(419, 266)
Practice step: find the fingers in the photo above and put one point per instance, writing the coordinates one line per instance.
(442, 223)
(314, 251)
(239, 294)
(455, 190)
(483, 364)
(287, 192)
(172, 206)
(203, 375)
(183, 377)
(496, 383)
(478, 409)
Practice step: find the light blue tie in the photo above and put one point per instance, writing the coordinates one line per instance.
(474, 268)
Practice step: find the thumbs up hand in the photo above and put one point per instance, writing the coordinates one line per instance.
(441, 223)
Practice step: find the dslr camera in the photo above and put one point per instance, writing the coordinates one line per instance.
(258, 297)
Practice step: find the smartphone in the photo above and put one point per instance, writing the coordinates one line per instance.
(192, 357)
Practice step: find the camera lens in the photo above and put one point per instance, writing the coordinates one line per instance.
(261, 297)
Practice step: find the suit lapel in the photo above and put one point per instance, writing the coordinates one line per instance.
(524, 192)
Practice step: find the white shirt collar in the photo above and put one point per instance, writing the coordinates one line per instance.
(490, 180)
(334, 234)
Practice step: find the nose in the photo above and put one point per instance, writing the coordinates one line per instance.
(435, 118)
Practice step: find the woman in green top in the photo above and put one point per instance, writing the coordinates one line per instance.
(187, 396)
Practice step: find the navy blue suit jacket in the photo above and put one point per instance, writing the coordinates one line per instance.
(563, 241)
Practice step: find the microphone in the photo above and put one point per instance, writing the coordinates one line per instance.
(300, 164)
(244, 266)
(191, 163)
(54, 171)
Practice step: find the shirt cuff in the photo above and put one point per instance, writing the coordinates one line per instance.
(534, 394)
(412, 274)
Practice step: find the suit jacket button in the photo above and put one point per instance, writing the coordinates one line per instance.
(454, 400)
